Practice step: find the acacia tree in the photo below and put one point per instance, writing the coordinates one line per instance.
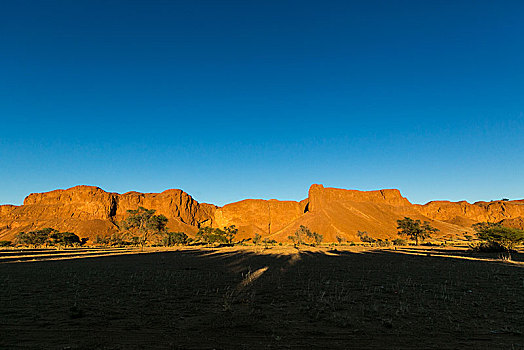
(65, 239)
(209, 235)
(298, 236)
(415, 229)
(143, 224)
(230, 233)
(496, 234)
(35, 238)
(256, 239)
(175, 238)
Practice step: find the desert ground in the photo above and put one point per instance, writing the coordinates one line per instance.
(247, 298)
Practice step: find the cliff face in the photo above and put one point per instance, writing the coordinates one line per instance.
(264, 217)
(319, 196)
(90, 211)
(464, 212)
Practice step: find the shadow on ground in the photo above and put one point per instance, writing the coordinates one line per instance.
(239, 299)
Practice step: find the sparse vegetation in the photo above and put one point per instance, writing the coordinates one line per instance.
(298, 237)
(415, 229)
(267, 242)
(209, 235)
(256, 239)
(365, 237)
(281, 298)
(4, 244)
(496, 237)
(141, 224)
(230, 233)
(304, 232)
(175, 238)
(49, 237)
(400, 242)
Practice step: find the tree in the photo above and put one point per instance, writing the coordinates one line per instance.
(415, 229)
(496, 234)
(6, 243)
(267, 242)
(365, 237)
(211, 235)
(298, 236)
(317, 238)
(230, 233)
(256, 239)
(144, 224)
(66, 239)
(175, 238)
(35, 238)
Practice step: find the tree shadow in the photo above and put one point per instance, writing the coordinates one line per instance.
(239, 298)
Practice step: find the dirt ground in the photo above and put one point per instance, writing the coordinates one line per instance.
(236, 298)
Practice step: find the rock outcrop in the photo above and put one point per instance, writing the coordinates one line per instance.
(264, 217)
(90, 211)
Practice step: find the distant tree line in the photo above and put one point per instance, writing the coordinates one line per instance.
(49, 237)
(143, 227)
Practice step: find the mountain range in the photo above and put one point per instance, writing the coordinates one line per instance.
(90, 211)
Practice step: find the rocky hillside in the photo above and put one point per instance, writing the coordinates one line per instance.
(90, 211)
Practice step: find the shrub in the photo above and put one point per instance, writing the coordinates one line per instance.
(365, 237)
(415, 229)
(142, 223)
(497, 236)
(175, 238)
(488, 247)
(48, 236)
(267, 242)
(210, 235)
(66, 239)
(6, 243)
(256, 239)
(381, 243)
(400, 241)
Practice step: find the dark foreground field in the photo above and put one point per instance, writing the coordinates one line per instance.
(205, 299)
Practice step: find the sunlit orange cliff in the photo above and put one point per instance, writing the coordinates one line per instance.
(90, 211)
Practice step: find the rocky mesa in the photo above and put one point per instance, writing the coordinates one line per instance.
(90, 212)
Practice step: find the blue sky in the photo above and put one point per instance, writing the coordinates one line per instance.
(259, 99)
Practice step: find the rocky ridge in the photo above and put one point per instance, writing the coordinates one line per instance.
(90, 211)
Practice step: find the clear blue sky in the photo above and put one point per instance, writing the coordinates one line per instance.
(259, 99)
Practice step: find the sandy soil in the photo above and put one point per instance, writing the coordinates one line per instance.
(237, 298)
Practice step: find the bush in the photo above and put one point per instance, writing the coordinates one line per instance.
(210, 235)
(268, 242)
(381, 243)
(365, 237)
(497, 236)
(48, 237)
(400, 241)
(256, 239)
(415, 229)
(66, 239)
(175, 238)
(488, 247)
(6, 243)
